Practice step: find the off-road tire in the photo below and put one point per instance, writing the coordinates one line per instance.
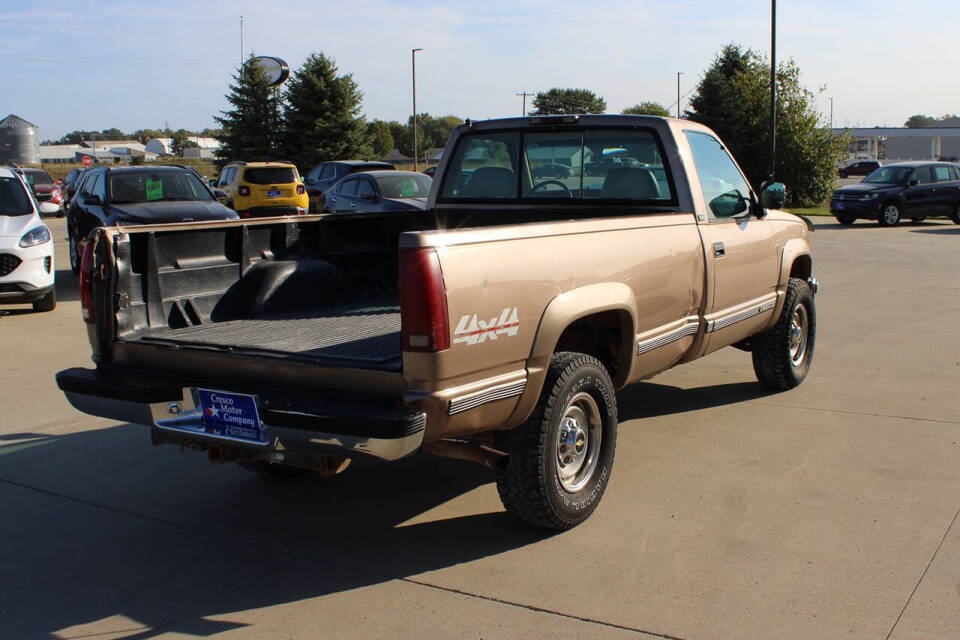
(773, 362)
(846, 221)
(529, 485)
(47, 302)
(893, 221)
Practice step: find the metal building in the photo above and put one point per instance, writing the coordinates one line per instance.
(19, 141)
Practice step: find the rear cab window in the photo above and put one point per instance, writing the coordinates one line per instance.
(563, 166)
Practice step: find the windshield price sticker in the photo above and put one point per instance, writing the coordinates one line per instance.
(154, 190)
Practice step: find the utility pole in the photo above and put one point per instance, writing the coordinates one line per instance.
(413, 60)
(679, 73)
(524, 94)
(773, 88)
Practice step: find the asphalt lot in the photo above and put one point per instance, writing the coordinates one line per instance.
(825, 512)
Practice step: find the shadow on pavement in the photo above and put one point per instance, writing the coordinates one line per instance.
(166, 541)
(649, 399)
(941, 231)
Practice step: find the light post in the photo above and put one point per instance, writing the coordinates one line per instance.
(413, 61)
(773, 87)
(679, 73)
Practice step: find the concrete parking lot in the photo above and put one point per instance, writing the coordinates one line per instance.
(825, 512)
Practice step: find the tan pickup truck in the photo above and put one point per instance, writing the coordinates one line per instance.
(559, 259)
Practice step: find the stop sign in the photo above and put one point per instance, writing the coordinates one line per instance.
(86, 161)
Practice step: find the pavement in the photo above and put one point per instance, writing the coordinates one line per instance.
(829, 511)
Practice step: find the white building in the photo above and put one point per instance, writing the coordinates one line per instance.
(164, 146)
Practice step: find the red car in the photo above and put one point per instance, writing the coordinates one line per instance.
(46, 190)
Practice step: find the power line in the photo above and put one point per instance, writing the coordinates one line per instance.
(524, 93)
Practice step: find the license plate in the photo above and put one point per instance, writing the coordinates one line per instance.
(838, 206)
(273, 193)
(231, 415)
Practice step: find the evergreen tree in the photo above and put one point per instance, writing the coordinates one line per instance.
(381, 140)
(251, 127)
(647, 109)
(733, 99)
(561, 101)
(321, 118)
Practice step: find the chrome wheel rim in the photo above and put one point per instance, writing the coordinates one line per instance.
(891, 214)
(799, 330)
(578, 442)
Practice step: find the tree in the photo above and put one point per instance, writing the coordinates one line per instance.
(733, 99)
(647, 109)
(560, 101)
(917, 121)
(321, 118)
(180, 140)
(381, 140)
(112, 134)
(143, 136)
(251, 127)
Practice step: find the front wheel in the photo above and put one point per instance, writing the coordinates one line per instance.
(47, 302)
(561, 458)
(783, 353)
(890, 215)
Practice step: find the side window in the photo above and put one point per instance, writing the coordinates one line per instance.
(87, 187)
(364, 187)
(955, 173)
(328, 172)
(724, 188)
(314, 173)
(921, 175)
(100, 189)
(942, 174)
(348, 188)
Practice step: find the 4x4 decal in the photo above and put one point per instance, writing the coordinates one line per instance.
(472, 330)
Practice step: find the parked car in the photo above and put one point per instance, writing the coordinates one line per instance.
(46, 190)
(914, 190)
(69, 185)
(27, 269)
(858, 168)
(138, 195)
(496, 329)
(379, 191)
(263, 189)
(323, 176)
(430, 171)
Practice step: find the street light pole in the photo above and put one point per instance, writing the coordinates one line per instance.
(773, 87)
(413, 61)
(679, 73)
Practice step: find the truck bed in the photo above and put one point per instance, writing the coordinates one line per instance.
(366, 336)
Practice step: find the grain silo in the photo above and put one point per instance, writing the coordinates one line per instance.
(18, 141)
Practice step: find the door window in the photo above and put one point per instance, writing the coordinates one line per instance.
(725, 190)
(364, 187)
(99, 189)
(348, 188)
(921, 175)
(87, 187)
(328, 172)
(942, 174)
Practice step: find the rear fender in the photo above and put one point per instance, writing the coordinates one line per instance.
(561, 312)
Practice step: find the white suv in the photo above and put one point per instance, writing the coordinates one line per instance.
(26, 247)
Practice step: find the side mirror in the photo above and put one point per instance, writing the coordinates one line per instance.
(93, 200)
(729, 204)
(913, 182)
(219, 194)
(773, 195)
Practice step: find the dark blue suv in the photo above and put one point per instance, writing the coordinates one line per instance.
(914, 190)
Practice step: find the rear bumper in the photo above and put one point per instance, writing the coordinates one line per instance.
(299, 428)
(270, 212)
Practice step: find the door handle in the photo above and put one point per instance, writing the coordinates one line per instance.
(719, 250)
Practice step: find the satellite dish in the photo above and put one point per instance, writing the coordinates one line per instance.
(275, 69)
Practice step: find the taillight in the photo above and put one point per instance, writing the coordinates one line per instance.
(243, 190)
(86, 282)
(301, 189)
(423, 301)
(244, 214)
(55, 196)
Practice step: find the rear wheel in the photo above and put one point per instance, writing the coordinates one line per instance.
(73, 247)
(955, 216)
(889, 215)
(917, 220)
(782, 354)
(561, 458)
(846, 220)
(47, 302)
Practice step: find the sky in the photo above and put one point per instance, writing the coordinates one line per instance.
(133, 64)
